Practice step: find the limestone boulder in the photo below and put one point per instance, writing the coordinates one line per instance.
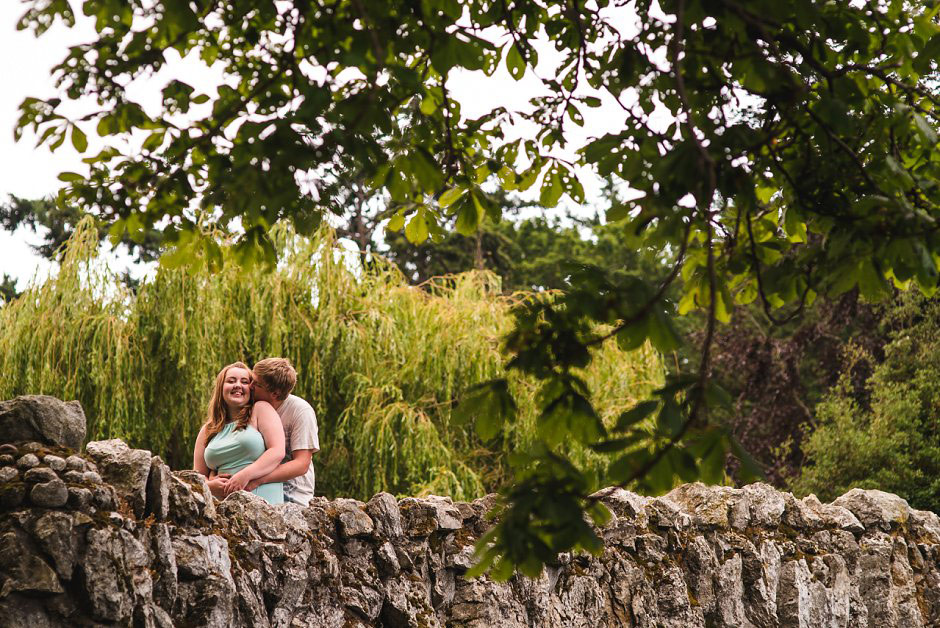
(711, 507)
(251, 517)
(833, 516)
(51, 494)
(158, 489)
(126, 469)
(206, 593)
(873, 508)
(421, 517)
(59, 534)
(22, 567)
(190, 499)
(44, 419)
(766, 505)
(386, 518)
(115, 574)
(926, 526)
(352, 518)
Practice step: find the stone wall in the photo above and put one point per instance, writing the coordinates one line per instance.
(113, 537)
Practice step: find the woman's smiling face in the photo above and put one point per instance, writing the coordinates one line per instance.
(236, 389)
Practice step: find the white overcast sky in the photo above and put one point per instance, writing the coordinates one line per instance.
(30, 172)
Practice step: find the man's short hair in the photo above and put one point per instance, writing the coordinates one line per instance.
(277, 375)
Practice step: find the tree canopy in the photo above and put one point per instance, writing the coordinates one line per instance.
(780, 149)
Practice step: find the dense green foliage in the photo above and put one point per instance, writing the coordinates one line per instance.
(528, 254)
(799, 156)
(380, 361)
(884, 433)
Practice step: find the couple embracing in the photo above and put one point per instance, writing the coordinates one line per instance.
(257, 436)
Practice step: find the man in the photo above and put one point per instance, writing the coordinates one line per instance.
(274, 379)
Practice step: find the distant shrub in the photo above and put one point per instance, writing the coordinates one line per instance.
(886, 436)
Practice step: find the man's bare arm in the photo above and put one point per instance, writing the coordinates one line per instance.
(289, 470)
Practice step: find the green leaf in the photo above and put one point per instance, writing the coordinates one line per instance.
(469, 215)
(924, 128)
(634, 415)
(618, 211)
(551, 189)
(625, 468)
(871, 283)
(515, 63)
(633, 336)
(79, 140)
(69, 177)
(794, 226)
(669, 421)
(417, 229)
(591, 101)
(750, 469)
(717, 397)
(396, 222)
(154, 140)
(489, 406)
(105, 126)
(662, 333)
(619, 444)
(428, 105)
(450, 196)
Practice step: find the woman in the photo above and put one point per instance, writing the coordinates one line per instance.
(240, 440)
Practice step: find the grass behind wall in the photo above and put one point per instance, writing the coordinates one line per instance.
(378, 359)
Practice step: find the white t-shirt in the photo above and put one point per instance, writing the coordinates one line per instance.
(300, 432)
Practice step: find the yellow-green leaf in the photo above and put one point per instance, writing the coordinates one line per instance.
(79, 139)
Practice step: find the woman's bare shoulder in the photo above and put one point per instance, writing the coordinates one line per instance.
(262, 410)
(263, 406)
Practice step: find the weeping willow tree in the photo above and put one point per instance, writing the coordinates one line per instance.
(381, 361)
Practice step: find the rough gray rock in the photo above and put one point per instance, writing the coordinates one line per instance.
(39, 474)
(383, 510)
(126, 469)
(55, 463)
(421, 517)
(158, 489)
(352, 518)
(80, 499)
(44, 419)
(875, 508)
(190, 497)
(74, 477)
(91, 477)
(116, 574)
(27, 461)
(51, 494)
(75, 463)
(23, 568)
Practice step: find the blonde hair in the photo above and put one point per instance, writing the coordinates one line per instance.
(277, 375)
(218, 415)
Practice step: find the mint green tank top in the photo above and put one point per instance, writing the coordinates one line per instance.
(232, 450)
